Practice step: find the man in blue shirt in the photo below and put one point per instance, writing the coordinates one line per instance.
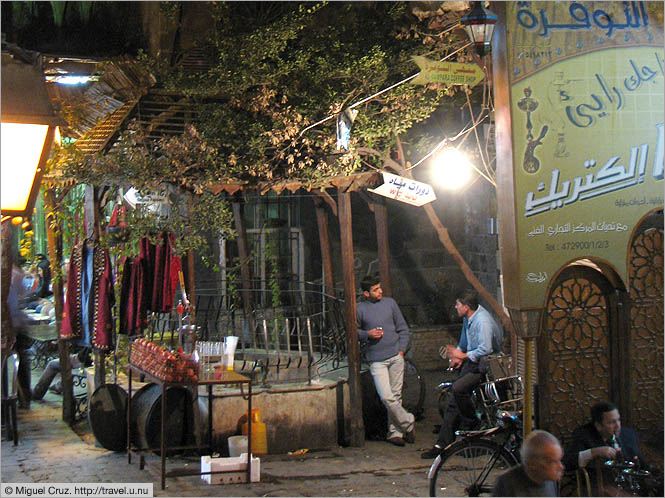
(481, 336)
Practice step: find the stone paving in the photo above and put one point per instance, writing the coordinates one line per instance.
(49, 451)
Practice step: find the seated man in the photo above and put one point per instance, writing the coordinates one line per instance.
(539, 472)
(481, 336)
(78, 360)
(602, 439)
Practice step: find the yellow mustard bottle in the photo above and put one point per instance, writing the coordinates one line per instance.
(259, 436)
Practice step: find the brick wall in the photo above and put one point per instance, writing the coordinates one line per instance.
(426, 342)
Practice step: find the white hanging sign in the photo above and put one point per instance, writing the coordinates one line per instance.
(405, 190)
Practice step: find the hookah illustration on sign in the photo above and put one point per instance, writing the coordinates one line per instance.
(558, 95)
(531, 163)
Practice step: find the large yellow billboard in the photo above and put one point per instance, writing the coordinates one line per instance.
(586, 111)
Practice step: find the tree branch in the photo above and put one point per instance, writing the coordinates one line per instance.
(445, 239)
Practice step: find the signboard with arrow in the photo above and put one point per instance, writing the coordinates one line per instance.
(405, 190)
(452, 73)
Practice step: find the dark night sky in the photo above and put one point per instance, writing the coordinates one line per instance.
(113, 28)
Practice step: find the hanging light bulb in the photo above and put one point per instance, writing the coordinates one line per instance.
(452, 169)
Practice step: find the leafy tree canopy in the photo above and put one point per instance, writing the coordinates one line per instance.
(274, 69)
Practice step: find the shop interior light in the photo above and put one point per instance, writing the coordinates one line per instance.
(28, 129)
(71, 79)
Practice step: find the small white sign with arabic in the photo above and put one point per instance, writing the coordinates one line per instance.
(405, 190)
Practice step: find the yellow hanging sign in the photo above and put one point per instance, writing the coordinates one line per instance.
(452, 73)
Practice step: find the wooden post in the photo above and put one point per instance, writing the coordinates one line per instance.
(54, 239)
(245, 269)
(352, 347)
(324, 242)
(381, 219)
(8, 332)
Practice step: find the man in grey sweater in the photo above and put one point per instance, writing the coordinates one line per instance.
(382, 326)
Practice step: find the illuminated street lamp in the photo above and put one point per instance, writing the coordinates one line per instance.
(452, 169)
(28, 128)
(479, 25)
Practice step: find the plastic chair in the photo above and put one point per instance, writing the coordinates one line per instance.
(10, 395)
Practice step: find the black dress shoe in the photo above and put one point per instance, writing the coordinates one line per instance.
(433, 452)
(410, 437)
(397, 441)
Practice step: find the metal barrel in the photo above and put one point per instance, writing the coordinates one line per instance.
(146, 417)
(106, 416)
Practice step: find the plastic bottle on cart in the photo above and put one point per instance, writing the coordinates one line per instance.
(259, 436)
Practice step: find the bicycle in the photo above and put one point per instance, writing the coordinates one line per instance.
(499, 390)
(470, 466)
(413, 390)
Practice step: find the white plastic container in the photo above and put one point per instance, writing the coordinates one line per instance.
(237, 445)
(235, 469)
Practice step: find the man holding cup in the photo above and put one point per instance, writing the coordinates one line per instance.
(383, 328)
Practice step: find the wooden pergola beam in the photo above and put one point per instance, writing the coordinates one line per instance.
(327, 199)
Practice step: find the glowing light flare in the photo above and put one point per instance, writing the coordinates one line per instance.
(452, 169)
(57, 139)
(22, 146)
(71, 79)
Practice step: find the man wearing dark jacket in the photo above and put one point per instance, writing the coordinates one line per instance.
(382, 326)
(602, 438)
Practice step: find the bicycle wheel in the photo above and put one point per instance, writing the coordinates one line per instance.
(469, 468)
(413, 390)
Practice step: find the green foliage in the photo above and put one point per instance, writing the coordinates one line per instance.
(272, 256)
(194, 210)
(275, 68)
(58, 12)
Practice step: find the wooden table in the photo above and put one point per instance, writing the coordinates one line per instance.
(227, 378)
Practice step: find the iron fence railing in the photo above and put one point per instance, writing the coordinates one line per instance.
(295, 335)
